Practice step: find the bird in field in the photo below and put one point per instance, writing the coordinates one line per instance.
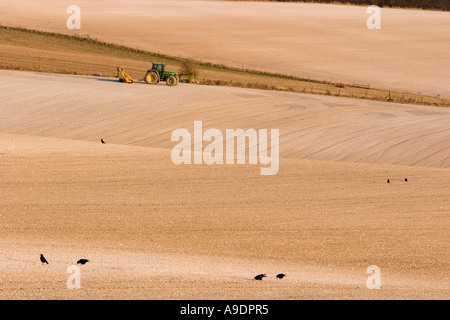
(281, 276)
(82, 261)
(406, 179)
(388, 181)
(43, 260)
(102, 141)
(260, 276)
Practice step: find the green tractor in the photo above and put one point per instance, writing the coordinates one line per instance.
(157, 74)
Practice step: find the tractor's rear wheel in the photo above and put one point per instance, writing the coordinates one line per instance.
(171, 81)
(151, 78)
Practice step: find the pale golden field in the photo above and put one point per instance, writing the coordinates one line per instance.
(154, 230)
(324, 42)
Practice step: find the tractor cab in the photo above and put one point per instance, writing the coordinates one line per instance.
(159, 67)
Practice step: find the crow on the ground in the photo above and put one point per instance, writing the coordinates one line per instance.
(406, 179)
(260, 276)
(43, 260)
(82, 261)
(388, 181)
(102, 141)
(281, 276)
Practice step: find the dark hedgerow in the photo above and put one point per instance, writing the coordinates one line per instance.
(418, 4)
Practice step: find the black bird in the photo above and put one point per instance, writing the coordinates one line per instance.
(388, 181)
(102, 141)
(43, 260)
(260, 276)
(281, 276)
(82, 261)
(406, 179)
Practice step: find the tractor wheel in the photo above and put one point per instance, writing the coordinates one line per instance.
(151, 78)
(171, 81)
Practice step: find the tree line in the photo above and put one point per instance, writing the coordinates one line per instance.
(420, 4)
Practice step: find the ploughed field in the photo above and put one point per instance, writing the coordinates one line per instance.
(155, 230)
(324, 42)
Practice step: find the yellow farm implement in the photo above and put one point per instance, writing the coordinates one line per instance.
(124, 76)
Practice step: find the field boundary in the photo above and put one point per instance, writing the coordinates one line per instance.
(33, 50)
